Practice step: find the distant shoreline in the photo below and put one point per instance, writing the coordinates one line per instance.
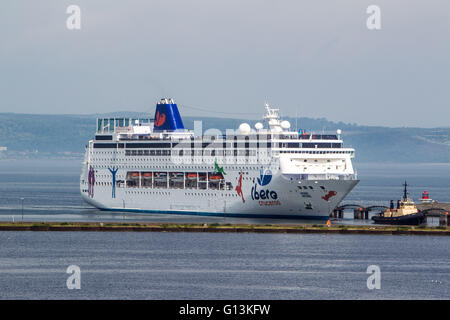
(222, 228)
(44, 136)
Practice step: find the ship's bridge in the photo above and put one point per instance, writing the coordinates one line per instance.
(134, 129)
(120, 125)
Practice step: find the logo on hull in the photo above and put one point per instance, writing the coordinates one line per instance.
(160, 119)
(265, 197)
(265, 176)
(263, 194)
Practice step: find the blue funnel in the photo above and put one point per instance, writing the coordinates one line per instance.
(167, 116)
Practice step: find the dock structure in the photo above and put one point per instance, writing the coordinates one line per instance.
(359, 212)
(220, 228)
(436, 210)
(429, 210)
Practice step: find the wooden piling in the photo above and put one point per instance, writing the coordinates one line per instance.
(358, 214)
(335, 213)
(443, 220)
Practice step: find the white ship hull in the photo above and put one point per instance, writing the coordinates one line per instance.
(290, 200)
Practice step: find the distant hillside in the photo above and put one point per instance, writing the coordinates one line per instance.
(66, 135)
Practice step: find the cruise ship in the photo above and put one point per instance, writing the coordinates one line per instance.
(265, 171)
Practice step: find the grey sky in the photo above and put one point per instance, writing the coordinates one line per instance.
(314, 58)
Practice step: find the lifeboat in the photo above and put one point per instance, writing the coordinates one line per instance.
(192, 176)
(134, 174)
(215, 177)
(147, 174)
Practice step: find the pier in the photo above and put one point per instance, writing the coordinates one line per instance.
(436, 210)
(221, 228)
(359, 212)
(429, 210)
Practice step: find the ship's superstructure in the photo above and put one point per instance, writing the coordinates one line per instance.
(156, 165)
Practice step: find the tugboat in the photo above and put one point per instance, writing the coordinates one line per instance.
(406, 212)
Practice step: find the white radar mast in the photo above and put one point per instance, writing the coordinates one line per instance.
(273, 118)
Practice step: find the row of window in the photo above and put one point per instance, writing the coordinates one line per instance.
(212, 153)
(182, 153)
(257, 137)
(223, 145)
(175, 180)
(200, 186)
(204, 194)
(320, 152)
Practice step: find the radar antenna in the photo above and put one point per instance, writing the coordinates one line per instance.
(405, 192)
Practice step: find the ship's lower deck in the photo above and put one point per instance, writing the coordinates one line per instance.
(243, 197)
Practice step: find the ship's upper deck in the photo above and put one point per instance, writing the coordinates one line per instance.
(130, 129)
(298, 152)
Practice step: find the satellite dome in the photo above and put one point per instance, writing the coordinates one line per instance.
(277, 129)
(285, 124)
(244, 128)
(259, 126)
(338, 131)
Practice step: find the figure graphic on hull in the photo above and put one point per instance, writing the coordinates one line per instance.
(239, 188)
(218, 169)
(91, 182)
(113, 172)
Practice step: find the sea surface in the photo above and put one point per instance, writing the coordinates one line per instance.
(132, 265)
(135, 265)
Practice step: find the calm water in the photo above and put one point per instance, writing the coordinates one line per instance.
(221, 266)
(212, 266)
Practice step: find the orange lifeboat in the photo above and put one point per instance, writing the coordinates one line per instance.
(215, 177)
(192, 176)
(147, 174)
(134, 174)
